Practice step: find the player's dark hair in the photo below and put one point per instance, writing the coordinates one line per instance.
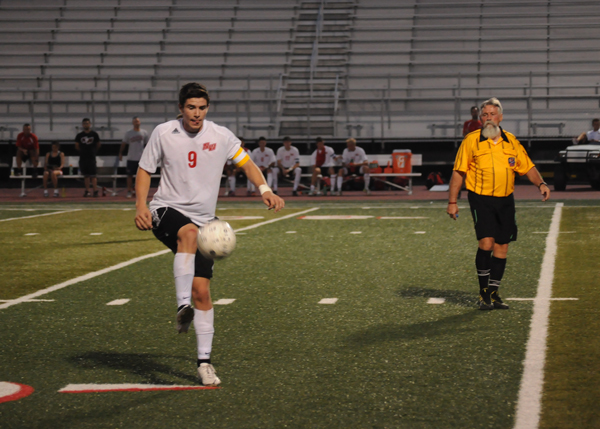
(595, 120)
(193, 90)
(55, 143)
(262, 138)
(318, 139)
(474, 107)
(26, 125)
(287, 139)
(85, 120)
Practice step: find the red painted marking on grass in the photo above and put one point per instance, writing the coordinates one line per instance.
(97, 388)
(14, 391)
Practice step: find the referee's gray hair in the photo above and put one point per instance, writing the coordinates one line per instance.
(492, 102)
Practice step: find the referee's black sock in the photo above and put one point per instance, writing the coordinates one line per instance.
(482, 263)
(497, 266)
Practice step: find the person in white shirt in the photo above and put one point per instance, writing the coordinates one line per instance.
(355, 161)
(323, 161)
(592, 136)
(232, 172)
(265, 160)
(136, 139)
(191, 152)
(288, 161)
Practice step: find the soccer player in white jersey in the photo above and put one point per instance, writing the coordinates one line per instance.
(355, 161)
(265, 160)
(191, 152)
(136, 139)
(322, 161)
(288, 161)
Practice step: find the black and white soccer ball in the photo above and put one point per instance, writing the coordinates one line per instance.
(216, 239)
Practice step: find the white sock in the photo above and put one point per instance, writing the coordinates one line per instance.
(204, 325)
(297, 172)
(232, 183)
(333, 179)
(367, 180)
(340, 182)
(183, 271)
(270, 180)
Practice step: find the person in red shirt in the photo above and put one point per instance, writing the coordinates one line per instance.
(474, 124)
(28, 148)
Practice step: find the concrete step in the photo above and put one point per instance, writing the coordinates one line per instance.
(306, 86)
(311, 28)
(320, 63)
(323, 39)
(338, 16)
(322, 51)
(318, 111)
(328, 5)
(297, 74)
(297, 128)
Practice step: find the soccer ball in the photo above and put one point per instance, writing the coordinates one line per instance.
(216, 239)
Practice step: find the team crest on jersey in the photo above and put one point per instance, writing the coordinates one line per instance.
(209, 146)
(511, 161)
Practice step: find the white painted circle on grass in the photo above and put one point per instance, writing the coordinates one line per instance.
(13, 391)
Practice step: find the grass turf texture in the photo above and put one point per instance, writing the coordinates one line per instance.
(572, 374)
(380, 357)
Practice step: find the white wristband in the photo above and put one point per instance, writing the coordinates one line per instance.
(264, 188)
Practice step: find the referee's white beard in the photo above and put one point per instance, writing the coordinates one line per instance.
(490, 130)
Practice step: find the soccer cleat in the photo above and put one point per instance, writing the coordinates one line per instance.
(312, 193)
(367, 191)
(231, 194)
(56, 193)
(485, 302)
(45, 193)
(208, 375)
(294, 193)
(95, 194)
(129, 194)
(185, 316)
(86, 194)
(497, 301)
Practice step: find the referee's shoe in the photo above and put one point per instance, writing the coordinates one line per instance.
(485, 300)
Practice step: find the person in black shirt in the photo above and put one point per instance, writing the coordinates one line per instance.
(87, 144)
(55, 161)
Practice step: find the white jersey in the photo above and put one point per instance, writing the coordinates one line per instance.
(191, 167)
(288, 157)
(357, 156)
(593, 135)
(136, 140)
(329, 157)
(263, 159)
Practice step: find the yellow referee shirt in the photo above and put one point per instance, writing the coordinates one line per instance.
(491, 167)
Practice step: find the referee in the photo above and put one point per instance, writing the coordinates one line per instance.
(489, 159)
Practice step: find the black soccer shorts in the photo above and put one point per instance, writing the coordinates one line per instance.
(166, 223)
(494, 217)
(132, 167)
(87, 166)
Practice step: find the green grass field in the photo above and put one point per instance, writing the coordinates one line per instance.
(380, 357)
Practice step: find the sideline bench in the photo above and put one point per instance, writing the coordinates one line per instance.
(72, 164)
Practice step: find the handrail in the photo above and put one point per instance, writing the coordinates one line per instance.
(314, 56)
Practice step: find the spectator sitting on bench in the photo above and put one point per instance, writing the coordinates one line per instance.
(592, 136)
(232, 172)
(322, 161)
(87, 144)
(55, 161)
(354, 161)
(136, 139)
(264, 158)
(288, 161)
(28, 148)
(474, 124)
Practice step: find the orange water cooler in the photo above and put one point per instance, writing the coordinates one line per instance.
(401, 161)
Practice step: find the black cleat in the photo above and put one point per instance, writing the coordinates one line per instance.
(295, 193)
(485, 301)
(497, 301)
(185, 316)
(86, 194)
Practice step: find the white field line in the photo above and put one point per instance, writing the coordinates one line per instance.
(529, 405)
(122, 265)
(39, 215)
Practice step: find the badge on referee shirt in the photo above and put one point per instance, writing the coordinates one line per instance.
(511, 161)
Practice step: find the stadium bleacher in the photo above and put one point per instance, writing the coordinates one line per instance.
(304, 68)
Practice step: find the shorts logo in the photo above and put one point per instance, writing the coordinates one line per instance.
(511, 161)
(209, 146)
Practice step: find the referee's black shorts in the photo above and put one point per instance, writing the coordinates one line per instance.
(494, 217)
(166, 223)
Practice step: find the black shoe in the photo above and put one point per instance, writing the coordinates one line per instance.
(275, 193)
(185, 316)
(485, 301)
(497, 301)
(95, 194)
(294, 193)
(86, 194)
